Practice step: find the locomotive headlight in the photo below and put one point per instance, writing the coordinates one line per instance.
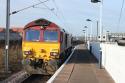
(54, 53)
(28, 52)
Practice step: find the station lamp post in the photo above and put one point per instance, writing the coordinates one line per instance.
(100, 20)
(7, 35)
(107, 36)
(84, 35)
(101, 4)
(95, 1)
(86, 32)
(91, 33)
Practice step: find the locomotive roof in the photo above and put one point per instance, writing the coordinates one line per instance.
(44, 23)
(41, 22)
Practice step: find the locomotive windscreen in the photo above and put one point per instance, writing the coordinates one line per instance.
(32, 35)
(51, 36)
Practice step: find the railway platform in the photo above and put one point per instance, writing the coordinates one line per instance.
(82, 68)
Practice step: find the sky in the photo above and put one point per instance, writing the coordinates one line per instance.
(68, 14)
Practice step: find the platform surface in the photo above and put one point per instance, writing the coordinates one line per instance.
(82, 68)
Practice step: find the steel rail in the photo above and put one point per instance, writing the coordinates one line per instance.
(17, 77)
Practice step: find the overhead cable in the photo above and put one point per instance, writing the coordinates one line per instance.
(60, 13)
(14, 12)
(120, 16)
(53, 13)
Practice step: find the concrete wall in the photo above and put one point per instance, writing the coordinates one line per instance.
(95, 49)
(113, 59)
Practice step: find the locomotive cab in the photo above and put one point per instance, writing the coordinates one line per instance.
(41, 44)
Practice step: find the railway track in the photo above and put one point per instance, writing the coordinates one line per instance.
(24, 77)
(37, 79)
(17, 77)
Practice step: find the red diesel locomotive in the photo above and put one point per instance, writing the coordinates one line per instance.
(45, 46)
